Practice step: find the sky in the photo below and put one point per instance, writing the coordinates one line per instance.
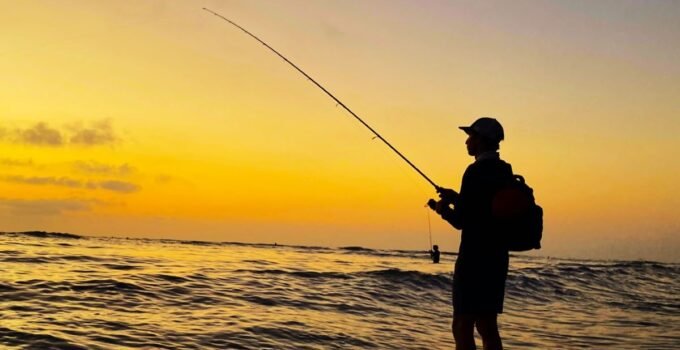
(157, 119)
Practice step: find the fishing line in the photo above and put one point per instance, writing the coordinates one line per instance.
(329, 94)
(429, 226)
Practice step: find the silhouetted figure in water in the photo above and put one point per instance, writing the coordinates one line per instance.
(482, 262)
(434, 254)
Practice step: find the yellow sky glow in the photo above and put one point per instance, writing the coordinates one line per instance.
(171, 123)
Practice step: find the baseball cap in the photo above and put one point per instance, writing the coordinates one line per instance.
(486, 127)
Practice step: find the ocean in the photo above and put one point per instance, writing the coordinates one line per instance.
(70, 292)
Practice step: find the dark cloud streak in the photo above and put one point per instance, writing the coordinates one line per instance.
(100, 133)
(42, 134)
(94, 167)
(17, 162)
(119, 186)
(110, 185)
(44, 180)
(43, 207)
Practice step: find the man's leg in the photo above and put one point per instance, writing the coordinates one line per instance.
(463, 328)
(487, 326)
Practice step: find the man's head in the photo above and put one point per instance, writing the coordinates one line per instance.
(485, 134)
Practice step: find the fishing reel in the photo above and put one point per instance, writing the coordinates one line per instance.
(447, 198)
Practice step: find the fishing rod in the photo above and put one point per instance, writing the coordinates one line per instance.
(437, 188)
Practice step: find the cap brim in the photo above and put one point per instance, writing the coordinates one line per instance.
(468, 129)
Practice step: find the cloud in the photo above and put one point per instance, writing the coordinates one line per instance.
(163, 179)
(44, 180)
(99, 133)
(43, 207)
(90, 167)
(41, 135)
(119, 186)
(110, 185)
(17, 162)
(94, 167)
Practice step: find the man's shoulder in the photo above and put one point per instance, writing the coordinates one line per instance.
(489, 165)
(487, 171)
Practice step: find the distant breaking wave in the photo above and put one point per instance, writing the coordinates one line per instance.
(43, 234)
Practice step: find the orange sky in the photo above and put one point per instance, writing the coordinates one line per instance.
(156, 119)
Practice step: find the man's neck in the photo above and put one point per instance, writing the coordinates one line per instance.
(487, 155)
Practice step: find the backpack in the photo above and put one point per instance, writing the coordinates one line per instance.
(517, 215)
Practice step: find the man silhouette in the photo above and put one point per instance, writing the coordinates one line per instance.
(435, 254)
(482, 263)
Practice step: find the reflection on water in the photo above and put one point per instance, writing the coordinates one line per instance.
(61, 292)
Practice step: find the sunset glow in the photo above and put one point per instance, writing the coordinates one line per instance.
(155, 119)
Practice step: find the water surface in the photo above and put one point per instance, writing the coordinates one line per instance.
(60, 292)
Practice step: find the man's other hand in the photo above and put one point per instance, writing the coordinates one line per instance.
(447, 195)
(438, 206)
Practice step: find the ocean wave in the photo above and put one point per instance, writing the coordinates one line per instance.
(302, 274)
(393, 275)
(357, 249)
(319, 302)
(416, 279)
(4, 288)
(34, 340)
(43, 234)
(285, 334)
(11, 252)
(28, 260)
(635, 285)
(122, 267)
(170, 278)
(108, 286)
